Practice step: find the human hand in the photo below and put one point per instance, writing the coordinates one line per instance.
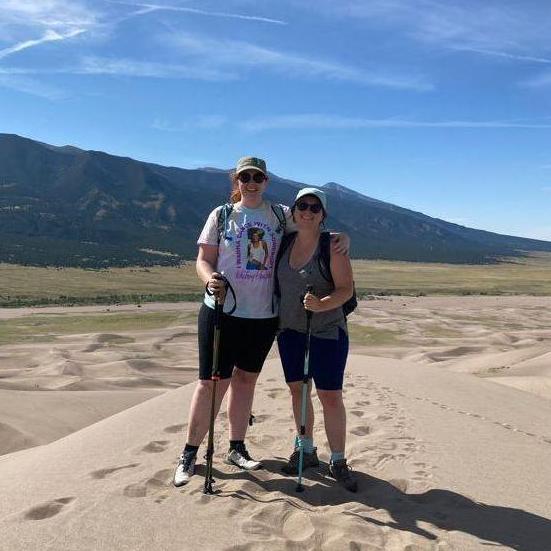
(217, 286)
(312, 303)
(340, 243)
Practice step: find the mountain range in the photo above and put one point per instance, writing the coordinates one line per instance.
(65, 206)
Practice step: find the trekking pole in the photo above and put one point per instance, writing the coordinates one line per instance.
(215, 377)
(300, 487)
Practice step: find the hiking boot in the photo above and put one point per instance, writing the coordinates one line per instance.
(308, 460)
(340, 471)
(240, 457)
(185, 468)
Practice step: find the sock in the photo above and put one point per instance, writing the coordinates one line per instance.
(307, 443)
(236, 444)
(336, 456)
(191, 449)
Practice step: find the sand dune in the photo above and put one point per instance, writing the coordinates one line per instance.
(446, 458)
(445, 461)
(35, 418)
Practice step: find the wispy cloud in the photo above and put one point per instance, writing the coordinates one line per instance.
(513, 31)
(318, 121)
(31, 86)
(94, 65)
(58, 15)
(195, 11)
(49, 36)
(244, 55)
(202, 122)
(540, 81)
(506, 55)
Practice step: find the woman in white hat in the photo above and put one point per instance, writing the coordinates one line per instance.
(300, 267)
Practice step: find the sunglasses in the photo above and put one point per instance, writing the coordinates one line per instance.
(257, 177)
(315, 208)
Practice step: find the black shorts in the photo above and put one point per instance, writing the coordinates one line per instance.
(244, 343)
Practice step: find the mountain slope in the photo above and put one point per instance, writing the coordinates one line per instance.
(67, 206)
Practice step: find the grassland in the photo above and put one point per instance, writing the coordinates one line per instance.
(519, 276)
(26, 286)
(47, 327)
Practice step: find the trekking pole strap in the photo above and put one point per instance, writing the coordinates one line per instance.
(229, 287)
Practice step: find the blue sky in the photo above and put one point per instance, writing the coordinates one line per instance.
(439, 106)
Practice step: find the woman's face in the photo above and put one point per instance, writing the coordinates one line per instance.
(255, 238)
(252, 183)
(304, 217)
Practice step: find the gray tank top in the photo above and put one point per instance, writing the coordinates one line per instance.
(292, 283)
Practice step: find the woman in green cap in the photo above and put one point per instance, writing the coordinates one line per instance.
(249, 322)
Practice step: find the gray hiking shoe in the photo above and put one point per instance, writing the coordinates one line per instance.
(309, 460)
(341, 472)
(240, 458)
(185, 468)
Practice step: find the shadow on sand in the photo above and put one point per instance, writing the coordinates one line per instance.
(444, 509)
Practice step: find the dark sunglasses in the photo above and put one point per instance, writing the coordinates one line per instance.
(314, 207)
(257, 177)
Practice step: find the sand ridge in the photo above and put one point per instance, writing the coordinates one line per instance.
(431, 462)
(91, 425)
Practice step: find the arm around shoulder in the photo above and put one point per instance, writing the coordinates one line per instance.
(341, 272)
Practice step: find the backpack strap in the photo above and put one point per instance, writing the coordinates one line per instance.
(277, 209)
(324, 257)
(223, 216)
(285, 242)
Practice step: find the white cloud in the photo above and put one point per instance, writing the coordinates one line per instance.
(149, 7)
(49, 36)
(92, 65)
(492, 28)
(21, 21)
(31, 86)
(318, 121)
(58, 15)
(506, 55)
(541, 81)
(203, 122)
(239, 54)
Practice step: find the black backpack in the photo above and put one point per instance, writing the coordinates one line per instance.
(324, 263)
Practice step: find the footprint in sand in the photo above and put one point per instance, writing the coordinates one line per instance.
(156, 446)
(103, 473)
(263, 440)
(400, 484)
(297, 526)
(174, 429)
(156, 484)
(357, 412)
(360, 431)
(48, 509)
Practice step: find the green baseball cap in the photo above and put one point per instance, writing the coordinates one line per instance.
(316, 193)
(248, 163)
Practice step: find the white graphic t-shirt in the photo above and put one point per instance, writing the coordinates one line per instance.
(246, 255)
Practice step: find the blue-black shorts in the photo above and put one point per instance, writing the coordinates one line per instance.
(244, 343)
(327, 358)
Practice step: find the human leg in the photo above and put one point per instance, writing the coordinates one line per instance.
(201, 402)
(330, 361)
(240, 401)
(252, 340)
(334, 416)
